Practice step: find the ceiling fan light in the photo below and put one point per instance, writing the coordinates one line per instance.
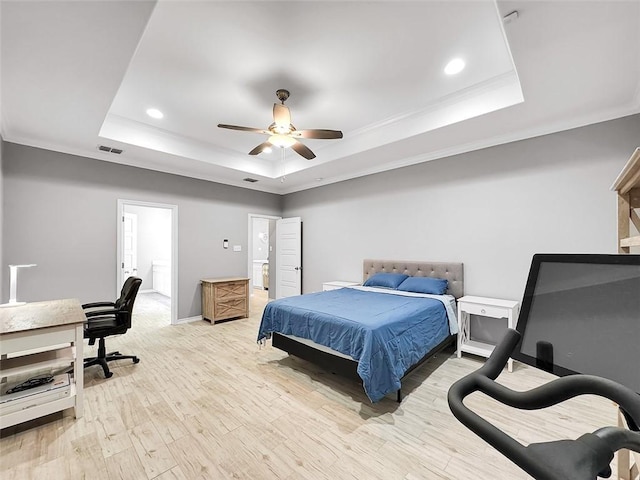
(281, 129)
(282, 141)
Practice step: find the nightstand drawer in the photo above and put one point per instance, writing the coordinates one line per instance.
(485, 310)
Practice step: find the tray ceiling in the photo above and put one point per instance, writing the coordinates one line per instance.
(77, 75)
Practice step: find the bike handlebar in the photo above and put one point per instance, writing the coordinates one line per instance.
(571, 454)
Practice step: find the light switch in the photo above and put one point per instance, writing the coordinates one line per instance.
(237, 248)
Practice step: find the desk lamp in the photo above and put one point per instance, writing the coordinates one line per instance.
(13, 284)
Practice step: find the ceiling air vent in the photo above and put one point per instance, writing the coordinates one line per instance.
(104, 148)
(250, 180)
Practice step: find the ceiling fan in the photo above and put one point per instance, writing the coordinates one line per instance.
(282, 133)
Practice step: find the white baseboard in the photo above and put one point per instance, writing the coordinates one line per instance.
(147, 290)
(197, 318)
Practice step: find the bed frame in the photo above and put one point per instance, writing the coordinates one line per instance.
(453, 272)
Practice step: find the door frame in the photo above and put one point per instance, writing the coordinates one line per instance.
(250, 245)
(174, 249)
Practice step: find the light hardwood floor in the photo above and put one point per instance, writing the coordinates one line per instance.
(206, 402)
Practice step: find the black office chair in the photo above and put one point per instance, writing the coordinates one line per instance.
(113, 320)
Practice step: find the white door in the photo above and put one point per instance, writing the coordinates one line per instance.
(289, 257)
(129, 245)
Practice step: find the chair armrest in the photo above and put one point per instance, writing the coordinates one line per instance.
(98, 304)
(101, 313)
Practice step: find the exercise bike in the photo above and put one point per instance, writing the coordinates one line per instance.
(584, 458)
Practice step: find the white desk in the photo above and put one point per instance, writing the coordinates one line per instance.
(37, 337)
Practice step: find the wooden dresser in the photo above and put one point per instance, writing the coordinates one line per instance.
(224, 298)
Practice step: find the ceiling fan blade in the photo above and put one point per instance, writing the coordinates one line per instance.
(281, 116)
(302, 149)
(260, 148)
(243, 129)
(318, 133)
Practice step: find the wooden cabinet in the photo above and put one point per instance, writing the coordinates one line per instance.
(627, 185)
(225, 298)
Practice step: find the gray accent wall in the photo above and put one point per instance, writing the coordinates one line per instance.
(491, 209)
(60, 211)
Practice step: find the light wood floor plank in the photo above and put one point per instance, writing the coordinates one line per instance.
(125, 465)
(151, 450)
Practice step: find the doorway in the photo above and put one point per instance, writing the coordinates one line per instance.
(147, 248)
(262, 255)
(284, 256)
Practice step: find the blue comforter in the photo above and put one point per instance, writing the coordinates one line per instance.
(385, 333)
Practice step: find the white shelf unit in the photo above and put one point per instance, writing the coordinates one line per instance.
(336, 284)
(38, 346)
(484, 307)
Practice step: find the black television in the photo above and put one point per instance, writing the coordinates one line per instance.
(581, 315)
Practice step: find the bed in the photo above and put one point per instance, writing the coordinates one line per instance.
(378, 332)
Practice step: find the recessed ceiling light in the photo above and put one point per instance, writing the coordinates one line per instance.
(154, 113)
(454, 66)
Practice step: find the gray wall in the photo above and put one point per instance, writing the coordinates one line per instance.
(491, 209)
(60, 212)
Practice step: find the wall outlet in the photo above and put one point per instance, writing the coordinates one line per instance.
(237, 248)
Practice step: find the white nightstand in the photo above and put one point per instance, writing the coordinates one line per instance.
(334, 285)
(484, 307)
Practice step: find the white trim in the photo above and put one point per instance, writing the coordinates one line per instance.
(501, 139)
(174, 248)
(250, 245)
(147, 290)
(632, 108)
(143, 135)
(180, 321)
(131, 160)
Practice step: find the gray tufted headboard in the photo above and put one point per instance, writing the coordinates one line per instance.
(450, 271)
